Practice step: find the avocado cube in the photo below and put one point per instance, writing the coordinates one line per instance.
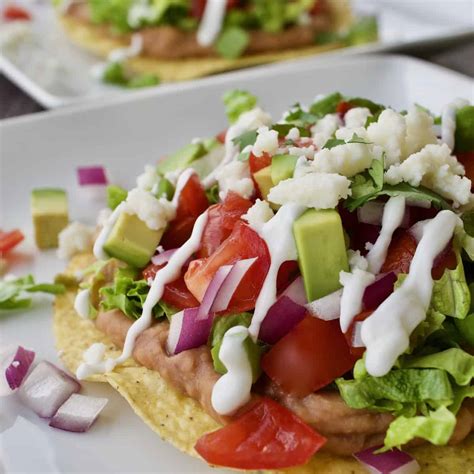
(132, 241)
(49, 210)
(321, 249)
(282, 167)
(182, 158)
(464, 135)
(263, 178)
(166, 189)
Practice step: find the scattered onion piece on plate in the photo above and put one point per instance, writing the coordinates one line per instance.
(326, 308)
(46, 388)
(390, 462)
(78, 413)
(17, 370)
(91, 175)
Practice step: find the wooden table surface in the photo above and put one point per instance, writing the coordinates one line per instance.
(458, 55)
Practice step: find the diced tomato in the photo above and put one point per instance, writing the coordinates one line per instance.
(268, 436)
(257, 163)
(191, 204)
(343, 107)
(467, 159)
(15, 13)
(309, 357)
(221, 136)
(349, 335)
(401, 252)
(176, 293)
(9, 240)
(220, 222)
(242, 243)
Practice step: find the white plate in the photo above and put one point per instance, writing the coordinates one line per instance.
(44, 149)
(55, 73)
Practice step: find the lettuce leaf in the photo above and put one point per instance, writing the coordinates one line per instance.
(232, 42)
(437, 427)
(237, 102)
(13, 291)
(460, 394)
(456, 362)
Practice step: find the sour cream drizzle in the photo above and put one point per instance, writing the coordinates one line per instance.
(278, 235)
(386, 333)
(393, 214)
(448, 121)
(232, 390)
(166, 275)
(98, 249)
(82, 303)
(181, 183)
(211, 22)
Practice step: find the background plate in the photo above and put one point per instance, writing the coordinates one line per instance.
(44, 150)
(56, 73)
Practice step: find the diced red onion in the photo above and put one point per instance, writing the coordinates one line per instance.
(371, 213)
(281, 318)
(187, 332)
(163, 257)
(326, 308)
(296, 291)
(7, 353)
(379, 291)
(17, 370)
(390, 462)
(356, 335)
(212, 291)
(46, 388)
(78, 413)
(231, 283)
(91, 175)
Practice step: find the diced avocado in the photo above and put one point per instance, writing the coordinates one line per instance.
(282, 167)
(263, 178)
(132, 241)
(466, 328)
(220, 326)
(165, 188)
(182, 158)
(115, 195)
(321, 249)
(49, 210)
(210, 143)
(204, 165)
(464, 136)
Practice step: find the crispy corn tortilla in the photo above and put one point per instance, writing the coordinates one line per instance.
(181, 420)
(94, 40)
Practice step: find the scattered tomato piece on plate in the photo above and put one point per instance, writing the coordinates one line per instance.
(9, 240)
(15, 12)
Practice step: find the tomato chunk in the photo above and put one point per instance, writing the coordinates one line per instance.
(257, 163)
(268, 436)
(9, 240)
(176, 293)
(242, 243)
(343, 107)
(220, 137)
(349, 335)
(15, 12)
(308, 358)
(467, 159)
(221, 220)
(192, 203)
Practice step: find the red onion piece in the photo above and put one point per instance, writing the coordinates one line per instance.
(281, 318)
(163, 257)
(231, 283)
(326, 308)
(391, 462)
(379, 291)
(212, 291)
(296, 291)
(46, 388)
(187, 332)
(372, 213)
(19, 367)
(91, 175)
(78, 413)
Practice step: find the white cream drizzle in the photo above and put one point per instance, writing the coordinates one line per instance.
(181, 183)
(278, 235)
(211, 22)
(82, 303)
(448, 121)
(393, 214)
(386, 333)
(233, 389)
(169, 273)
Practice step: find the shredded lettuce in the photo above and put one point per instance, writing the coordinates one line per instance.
(466, 328)
(437, 427)
(237, 102)
(232, 42)
(13, 293)
(464, 137)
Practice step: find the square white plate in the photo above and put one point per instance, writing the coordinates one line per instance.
(44, 150)
(56, 73)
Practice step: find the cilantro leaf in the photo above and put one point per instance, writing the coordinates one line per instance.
(326, 105)
(237, 102)
(247, 138)
(333, 142)
(284, 128)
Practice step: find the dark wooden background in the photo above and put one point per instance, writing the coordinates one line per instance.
(458, 55)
